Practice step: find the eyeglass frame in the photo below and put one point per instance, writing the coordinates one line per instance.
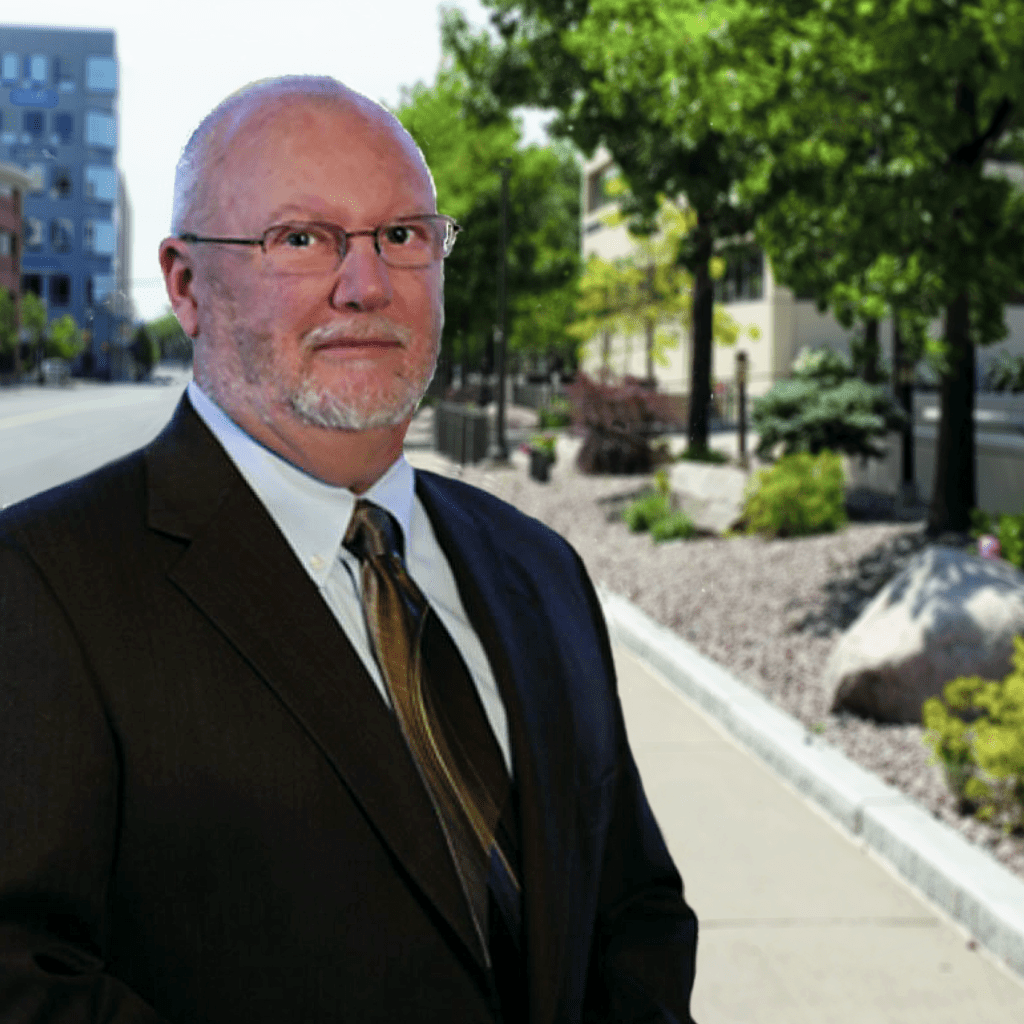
(342, 236)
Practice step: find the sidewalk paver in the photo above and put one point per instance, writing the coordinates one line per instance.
(798, 922)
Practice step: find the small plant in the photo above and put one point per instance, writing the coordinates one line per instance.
(557, 413)
(675, 525)
(800, 495)
(1009, 531)
(647, 510)
(977, 734)
(544, 444)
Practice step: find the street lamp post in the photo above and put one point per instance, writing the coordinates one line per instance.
(499, 447)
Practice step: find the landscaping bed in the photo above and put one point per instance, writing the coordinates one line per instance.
(768, 611)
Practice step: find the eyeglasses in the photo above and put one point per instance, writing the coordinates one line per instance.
(313, 247)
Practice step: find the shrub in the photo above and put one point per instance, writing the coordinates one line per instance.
(647, 510)
(800, 495)
(824, 407)
(1009, 532)
(557, 413)
(618, 422)
(977, 734)
(674, 526)
(1006, 373)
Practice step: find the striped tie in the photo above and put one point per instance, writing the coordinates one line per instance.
(443, 723)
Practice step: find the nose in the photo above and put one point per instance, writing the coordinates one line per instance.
(363, 281)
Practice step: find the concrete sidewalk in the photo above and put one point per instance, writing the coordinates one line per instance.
(799, 923)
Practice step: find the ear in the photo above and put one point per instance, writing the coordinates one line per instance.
(179, 279)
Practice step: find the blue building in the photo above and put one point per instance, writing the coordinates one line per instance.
(59, 122)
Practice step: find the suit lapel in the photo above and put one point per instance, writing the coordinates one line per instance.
(241, 573)
(505, 610)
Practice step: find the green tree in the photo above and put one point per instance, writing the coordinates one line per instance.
(145, 350)
(886, 129)
(63, 338)
(174, 344)
(639, 77)
(465, 150)
(33, 320)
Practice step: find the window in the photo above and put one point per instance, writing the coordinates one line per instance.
(62, 234)
(32, 284)
(60, 290)
(98, 288)
(37, 172)
(100, 74)
(99, 237)
(61, 187)
(64, 127)
(32, 122)
(597, 187)
(8, 244)
(743, 280)
(38, 68)
(101, 183)
(100, 129)
(33, 233)
(9, 68)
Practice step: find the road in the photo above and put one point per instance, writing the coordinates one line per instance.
(52, 434)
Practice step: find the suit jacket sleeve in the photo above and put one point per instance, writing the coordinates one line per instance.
(58, 815)
(643, 957)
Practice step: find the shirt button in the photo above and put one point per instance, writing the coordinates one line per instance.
(316, 562)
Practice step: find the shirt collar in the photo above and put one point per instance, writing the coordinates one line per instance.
(312, 515)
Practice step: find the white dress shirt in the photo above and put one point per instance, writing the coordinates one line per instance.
(314, 516)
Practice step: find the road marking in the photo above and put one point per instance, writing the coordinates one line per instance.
(107, 402)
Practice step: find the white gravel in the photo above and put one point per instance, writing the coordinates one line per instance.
(769, 611)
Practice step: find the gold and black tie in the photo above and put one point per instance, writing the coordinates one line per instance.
(445, 728)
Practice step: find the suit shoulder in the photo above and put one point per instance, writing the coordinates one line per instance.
(507, 525)
(96, 502)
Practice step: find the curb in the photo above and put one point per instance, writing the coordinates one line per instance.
(972, 888)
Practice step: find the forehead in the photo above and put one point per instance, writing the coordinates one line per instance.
(321, 155)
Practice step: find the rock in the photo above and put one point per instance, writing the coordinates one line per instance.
(711, 495)
(947, 614)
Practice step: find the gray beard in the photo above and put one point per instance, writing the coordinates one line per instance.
(321, 409)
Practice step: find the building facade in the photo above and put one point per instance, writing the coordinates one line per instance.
(783, 322)
(13, 184)
(59, 122)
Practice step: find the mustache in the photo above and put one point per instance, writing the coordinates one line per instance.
(360, 328)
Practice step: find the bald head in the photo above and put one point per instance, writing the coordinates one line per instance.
(198, 172)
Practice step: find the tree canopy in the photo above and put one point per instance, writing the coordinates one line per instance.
(465, 148)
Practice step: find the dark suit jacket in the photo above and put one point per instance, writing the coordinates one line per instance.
(207, 812)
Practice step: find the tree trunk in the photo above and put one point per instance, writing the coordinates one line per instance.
(954, 489)
(700, 356)
(902, 381)
(869, 371)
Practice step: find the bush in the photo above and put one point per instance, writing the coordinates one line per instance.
(824, 407)
(1009, 532)
(618, 422)
(557, 413)
(674, 526)
(800, 495)
(647, 510)
(977, 735)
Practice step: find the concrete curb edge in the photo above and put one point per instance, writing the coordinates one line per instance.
(972, 888)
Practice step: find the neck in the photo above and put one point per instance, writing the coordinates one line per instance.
(354, 459)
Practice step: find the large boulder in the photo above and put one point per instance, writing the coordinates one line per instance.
(947, 614)
(711, 495)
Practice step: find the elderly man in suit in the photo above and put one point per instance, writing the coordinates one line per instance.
(289, 732)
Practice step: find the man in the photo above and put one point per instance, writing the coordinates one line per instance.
(215, 802)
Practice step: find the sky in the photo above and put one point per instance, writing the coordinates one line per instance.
(180, 59)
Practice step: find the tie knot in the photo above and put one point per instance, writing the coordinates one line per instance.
(373, 532)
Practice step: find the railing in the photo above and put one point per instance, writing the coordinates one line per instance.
(461, 432)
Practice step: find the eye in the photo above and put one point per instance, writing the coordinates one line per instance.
(404, 234)
(297, 237)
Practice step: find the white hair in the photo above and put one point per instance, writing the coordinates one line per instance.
(208, 144)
